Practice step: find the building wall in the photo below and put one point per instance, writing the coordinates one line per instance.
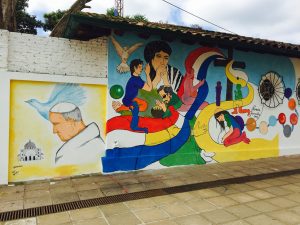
(37, 73)
(262, 111)
(55, 56)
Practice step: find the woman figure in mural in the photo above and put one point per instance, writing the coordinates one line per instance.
(156, 54)
(235, 134)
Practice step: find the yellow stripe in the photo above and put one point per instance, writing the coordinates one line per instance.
(161, 136)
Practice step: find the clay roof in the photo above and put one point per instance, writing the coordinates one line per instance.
(84, 26)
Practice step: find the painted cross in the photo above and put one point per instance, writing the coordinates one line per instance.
(224, 62)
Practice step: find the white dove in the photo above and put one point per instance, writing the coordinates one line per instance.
(124, 53)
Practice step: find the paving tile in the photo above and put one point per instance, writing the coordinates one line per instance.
(54, 219)
(134, 188)
(37, 202)
(275, 182)
(94, 221)
(242, 211)
(87, 213)
(164, 222)
(263, 219)
(236, 222)
(177, 209)
(12, 189)
(294, 197)
(151, 215)
(40, 185)
(128, 181)
(140, 204)
(122, 219)
(260, 194)
(205, 193)
(85, 187)
(295, 210)
(201, 205)
(64, 197)
(291, 187)
(112, 209)
(62, 190)
(259, 184)
(219, 216)
(154, 185)
(285, 216)
(241, 187)
(11, 206)
(278, 191)
(11, 196)
(281, 202)
(112, 191)
(161, 200)
(173, 182)
(242, 197)
(36, 193)
(192, 220)
(262, 206)
(89, 194)
(222, 201)
(185, 196)
(29, 221)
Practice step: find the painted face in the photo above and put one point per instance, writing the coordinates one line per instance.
(160, 59)
(221, 118)
(65, 129)
(138, 69)
(166, 97)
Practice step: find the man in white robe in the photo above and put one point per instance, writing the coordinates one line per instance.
(83, 143)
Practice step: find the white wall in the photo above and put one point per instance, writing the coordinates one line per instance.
(30, 57)
(48, 55)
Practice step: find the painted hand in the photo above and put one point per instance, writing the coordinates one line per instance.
(116, 105)
(161, 105)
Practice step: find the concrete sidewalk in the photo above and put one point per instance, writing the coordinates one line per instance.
(48, 192)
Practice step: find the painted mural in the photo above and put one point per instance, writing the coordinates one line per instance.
(56, 129)
(175, 104)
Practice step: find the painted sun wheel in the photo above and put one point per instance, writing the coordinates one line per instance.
(271, 89)
(298, 91)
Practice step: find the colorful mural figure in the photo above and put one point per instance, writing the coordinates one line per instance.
(71, 93)
(124, 53)
(189, 124)
(157, 54)
(81, 142)
(64, 124)
(235, 124)
(130, 100)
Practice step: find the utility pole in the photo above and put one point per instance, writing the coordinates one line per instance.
(119, 7)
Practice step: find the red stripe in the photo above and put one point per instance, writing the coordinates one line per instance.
(153, 124)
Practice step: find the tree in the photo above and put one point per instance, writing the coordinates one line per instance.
(26, 23)
(8, 15)
(51, 19)
(139, 18)
(110, 11)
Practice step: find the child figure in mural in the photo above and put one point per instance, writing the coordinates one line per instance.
(235, 134)
(238, 95)
(157, 54)
(130, 100)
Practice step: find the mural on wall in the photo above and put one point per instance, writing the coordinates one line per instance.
(177, 106)
(56, 129)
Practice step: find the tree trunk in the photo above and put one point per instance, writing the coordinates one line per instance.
(8, 15)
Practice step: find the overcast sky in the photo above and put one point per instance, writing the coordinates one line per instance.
(268, 19)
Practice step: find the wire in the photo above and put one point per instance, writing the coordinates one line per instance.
(198, 16)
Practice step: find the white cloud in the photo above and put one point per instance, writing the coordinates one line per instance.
(270, 19)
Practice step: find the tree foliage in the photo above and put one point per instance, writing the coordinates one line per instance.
(26, 23)
(52, 18)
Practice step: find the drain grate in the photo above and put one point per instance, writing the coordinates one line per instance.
(43, 210)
